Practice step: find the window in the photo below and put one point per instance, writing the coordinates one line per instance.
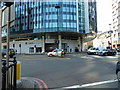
(64, 24)
(46, 9)
(46, 25)
(68, 25)
(50, 24)
(64, 16)
(68, 17)
(55, 24)
(13, 45)
(31, 50)
(46, 17)
(55, 16)
(67, 9)
(64, 9)
(50, 16)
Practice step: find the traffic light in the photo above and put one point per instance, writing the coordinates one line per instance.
(8, 4)
(19, 45)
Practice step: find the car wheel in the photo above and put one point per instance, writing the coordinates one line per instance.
(100, 54)
(105, 54)
(114, 54)
(50, 55)
(62, 55)
(118, 76)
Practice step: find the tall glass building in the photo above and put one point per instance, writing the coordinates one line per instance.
(34, 17)
(37, 17)
(53, 24)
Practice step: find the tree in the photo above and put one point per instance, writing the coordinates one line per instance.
(90, 46)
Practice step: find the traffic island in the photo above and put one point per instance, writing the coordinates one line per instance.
(27, 84)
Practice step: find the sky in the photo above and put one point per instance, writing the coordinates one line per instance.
(104, 14)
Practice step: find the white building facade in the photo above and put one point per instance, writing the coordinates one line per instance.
(116, 22)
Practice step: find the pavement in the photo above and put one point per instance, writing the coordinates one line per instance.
(26, 84)
(31, 83)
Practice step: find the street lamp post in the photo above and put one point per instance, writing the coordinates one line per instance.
(57, 7)
(0, 45)
(8, 39)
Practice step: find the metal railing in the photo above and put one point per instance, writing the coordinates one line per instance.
(12, 75)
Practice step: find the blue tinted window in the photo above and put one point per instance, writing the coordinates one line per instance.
(46, 25)
(64, 9)
(67, 9)
(50, 24)
(55, 16)
(46, 9)
(68, 17)
(74, 17)
(46, 17)
(75, 25)
(40, 18)
(50, 16)
(64, 24)
(64, 17)
(55, 24)
(40, 25)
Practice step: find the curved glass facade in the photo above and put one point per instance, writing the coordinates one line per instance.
(34, 17)
(81, 12)
(37, 17)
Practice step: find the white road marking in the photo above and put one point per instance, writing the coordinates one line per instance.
(98, 83)
(91, 84)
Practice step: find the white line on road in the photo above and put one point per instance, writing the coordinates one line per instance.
(98, 83)
(91, 84)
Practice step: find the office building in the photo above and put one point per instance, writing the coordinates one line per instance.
(43, 26)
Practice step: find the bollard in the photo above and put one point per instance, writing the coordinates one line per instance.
(4, 68)
(18, 72)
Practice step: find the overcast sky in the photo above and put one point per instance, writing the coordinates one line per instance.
(104, 14)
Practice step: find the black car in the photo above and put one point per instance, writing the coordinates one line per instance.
(118, 49)
(107, 52)
(11, 53)
(118, 70)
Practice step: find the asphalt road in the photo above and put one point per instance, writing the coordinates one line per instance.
(73, 69)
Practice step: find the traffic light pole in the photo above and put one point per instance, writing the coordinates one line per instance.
(0, 47)
(8, 4)
(8, 39)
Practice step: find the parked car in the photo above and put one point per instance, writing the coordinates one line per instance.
(106, 52)
(11, 53)
(56, 52)
(99, 49)
(118, 70)
(118, 49)
(92, 51)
